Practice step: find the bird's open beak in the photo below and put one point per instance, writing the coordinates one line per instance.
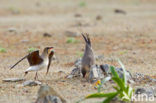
(51, 48)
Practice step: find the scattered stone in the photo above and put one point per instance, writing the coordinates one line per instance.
(47, 35)
(128, 74)
(61, 72)
(78, 63)
(107, 72)
(78, 15)
(82, 24)
(98, 17)
(49, 99)
(140, 91)
(12, 30)
(13, 80)
(76, 72)
(120, 11)
(46, 94)
(105, 69)
(95, 73)
(71, 34)
(149, 91)
(99, 72)
(24, 41)
(70, 76)
(153, 80)
(31, 83)
(99, 57)
(139, 77)
(38, 4)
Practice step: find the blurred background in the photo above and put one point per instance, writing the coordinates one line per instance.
(118, 28)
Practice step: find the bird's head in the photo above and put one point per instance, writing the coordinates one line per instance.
(48, 50)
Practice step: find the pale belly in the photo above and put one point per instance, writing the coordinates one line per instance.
(37, 67)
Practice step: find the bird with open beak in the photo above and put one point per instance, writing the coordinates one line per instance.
(38, 62)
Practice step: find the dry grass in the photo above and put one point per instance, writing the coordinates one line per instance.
(129, 37)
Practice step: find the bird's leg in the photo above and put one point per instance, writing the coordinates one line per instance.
(36, 76)
(25, 74)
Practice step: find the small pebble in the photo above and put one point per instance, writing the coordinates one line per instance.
(13, 79)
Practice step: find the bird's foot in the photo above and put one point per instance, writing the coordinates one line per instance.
(25, 74)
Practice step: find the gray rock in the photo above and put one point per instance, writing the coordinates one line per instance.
(13, 79)
(140, 91)
(78, 15)
(78, 63)
(47, 35)
(99, 72)
(49, 99)
(105, 69)
(99, 57)
(98, 17)
(31, 83)
(120, 11)
(46, 94)
(153, 80)
(149, 91)
(128, 74)
(12, 30)
(75, 73)
(107, 72)
(95, 73)
(70, 76)
(139, 77)
(71, 34)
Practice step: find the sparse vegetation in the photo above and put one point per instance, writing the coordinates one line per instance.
(31, 49)
(80, 54)
(71, 40)
(123, 52)
(82, 4)
(123, 90)
(3, 50)
(14, 10)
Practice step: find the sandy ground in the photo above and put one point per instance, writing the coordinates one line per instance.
(130, 37)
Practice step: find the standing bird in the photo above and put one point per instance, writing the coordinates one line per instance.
(38, 62)
(88, 57)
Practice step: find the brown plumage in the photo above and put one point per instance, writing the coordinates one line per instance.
(88, 57)
(34, 58)
(37, 62)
